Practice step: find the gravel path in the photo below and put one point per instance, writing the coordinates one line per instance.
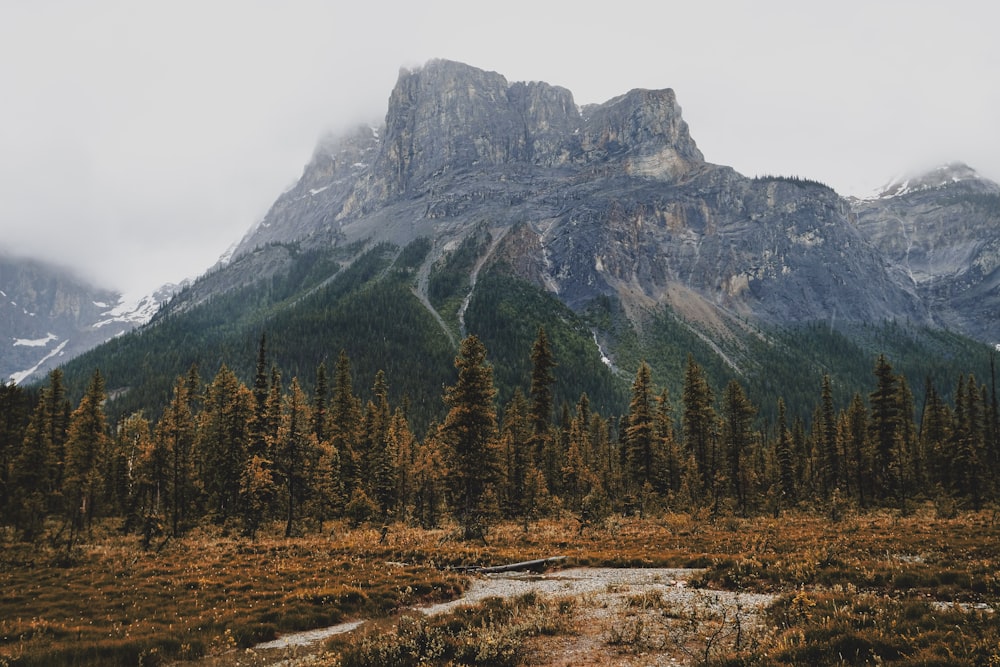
(611, 599)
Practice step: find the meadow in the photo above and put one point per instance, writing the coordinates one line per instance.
(915, 589)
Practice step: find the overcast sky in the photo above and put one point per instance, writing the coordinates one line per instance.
(139, 140)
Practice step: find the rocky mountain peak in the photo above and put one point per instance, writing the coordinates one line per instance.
(645, 127)
(941, 176)
(447, 116)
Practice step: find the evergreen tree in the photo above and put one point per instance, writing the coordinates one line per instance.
(969, 472)
(699, 422)
(175, 435)
(14, 413)
(859, 463)
(783, 456)
(470, 433)
(379, 457)
(31, 476)
(543, 450)
(515, 444)
(402, 444)
(935, 436)
(150, 465)
(542, 379)
(671, 459)
(345, 424)
(737, 438)
(294, 449)
(321, 405)
(222, 443)
(640, 434)
(429, 474)
(87, 445)
(829, 458)
(885, 427)
(261, 391)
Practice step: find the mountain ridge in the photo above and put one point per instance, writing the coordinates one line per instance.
(607, 218)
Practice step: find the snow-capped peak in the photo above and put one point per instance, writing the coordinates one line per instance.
(941, 176)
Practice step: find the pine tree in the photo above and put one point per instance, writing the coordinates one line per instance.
(31, 474)
(885, 428)
(640, 435)
(87, 445)
(737, 438)
(223, 440)
(293, 450)
(699, 422)
(829, 459)
(345, 425)
(783, 456)
(175, 434)
(429, 474)
(670, 457)
(470, 433)
(378, 457)
(515, 444)
(935, 436)
(859, 460)
(403, 446)
(543, 450)
(151, 475)
(14, 414)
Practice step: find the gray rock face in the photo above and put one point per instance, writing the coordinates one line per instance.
(942, 229)
(613, 199)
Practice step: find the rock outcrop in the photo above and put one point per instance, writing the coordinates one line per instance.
(942, 230)
(617, 200)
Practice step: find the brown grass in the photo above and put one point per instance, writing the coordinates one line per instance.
(206, 594)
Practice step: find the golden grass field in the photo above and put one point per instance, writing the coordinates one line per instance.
(870, 588)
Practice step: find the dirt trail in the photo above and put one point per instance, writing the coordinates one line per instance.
(625, 616)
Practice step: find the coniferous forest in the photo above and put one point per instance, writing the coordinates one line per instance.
(226, 453)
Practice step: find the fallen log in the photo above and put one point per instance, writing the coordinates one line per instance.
(537, 565)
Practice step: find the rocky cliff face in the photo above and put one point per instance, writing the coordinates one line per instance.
(942, 230)
(612, 199)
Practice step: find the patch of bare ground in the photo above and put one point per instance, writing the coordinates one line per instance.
(621, 616)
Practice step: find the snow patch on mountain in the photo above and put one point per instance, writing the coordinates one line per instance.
(946, 174)
(35, 342)
(21, 376)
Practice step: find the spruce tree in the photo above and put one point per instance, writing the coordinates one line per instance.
(87, 445)
(699, 422)
(345, 425)
(294, 448)
(885, 427)
(470, 433)
(543, 445)
(783, 456)
(640, 435)
(859, 464)
(223, 441)
(14, 411)
(175, 435)
(829, 459)
(737, 439)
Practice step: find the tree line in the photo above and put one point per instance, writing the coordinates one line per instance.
(239, 456)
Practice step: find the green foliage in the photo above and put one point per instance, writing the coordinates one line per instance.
(506, 313)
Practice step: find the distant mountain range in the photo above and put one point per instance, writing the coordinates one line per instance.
(490, 207)
(48, 316)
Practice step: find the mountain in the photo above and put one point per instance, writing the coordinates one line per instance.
(48, 315)
(608, 199)
(942, 229)
(490, 207)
